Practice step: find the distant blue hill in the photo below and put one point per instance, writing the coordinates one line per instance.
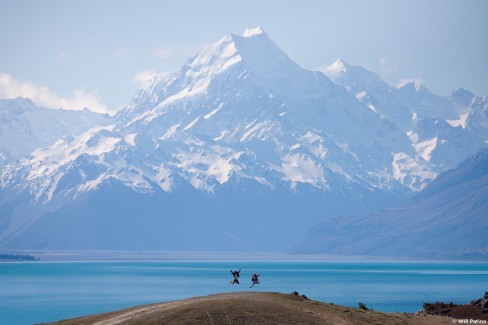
(448, 219)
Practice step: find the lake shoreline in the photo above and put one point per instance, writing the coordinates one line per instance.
(46, 291)
(132, 255)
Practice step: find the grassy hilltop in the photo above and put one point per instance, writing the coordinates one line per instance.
(251, 308)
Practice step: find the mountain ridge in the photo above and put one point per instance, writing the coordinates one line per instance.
(25, 127)
(445, 220)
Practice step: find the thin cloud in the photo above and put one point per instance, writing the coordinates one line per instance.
(163, 54)
(141, 77)
(43, 96)
(389, 67)
(62, 56)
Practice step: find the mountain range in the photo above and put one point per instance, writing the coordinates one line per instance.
(240, 149)
(25, 127)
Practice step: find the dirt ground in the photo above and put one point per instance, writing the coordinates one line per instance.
(252, 308)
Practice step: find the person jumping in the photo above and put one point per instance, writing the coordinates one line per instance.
(255, 279)
(236, 276)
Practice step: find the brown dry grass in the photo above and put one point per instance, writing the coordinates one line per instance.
(251, 308)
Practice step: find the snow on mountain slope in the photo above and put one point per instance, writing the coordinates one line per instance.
(240, 146)
(436, 125)
(424, 103)
(253, 92)
(477, 118)
(368, 88)
(25, 127)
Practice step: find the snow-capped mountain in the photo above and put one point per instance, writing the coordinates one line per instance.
(443, 130)
(241, 148)
(447, 219)
(25, 127)
(405, 104)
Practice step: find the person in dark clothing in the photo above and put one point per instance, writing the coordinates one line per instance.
(236, 276)
(255, 279)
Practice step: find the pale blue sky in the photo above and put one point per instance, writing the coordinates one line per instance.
(90, 52)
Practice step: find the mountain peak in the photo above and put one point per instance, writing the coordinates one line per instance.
(231, 48)
(250, 32)
(253, 48)
(351, 76)
(412, 86)
(461, 94)
(18, 101)
(461, 100)
(338, 67)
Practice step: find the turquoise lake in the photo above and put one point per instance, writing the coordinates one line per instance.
(36, 292)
